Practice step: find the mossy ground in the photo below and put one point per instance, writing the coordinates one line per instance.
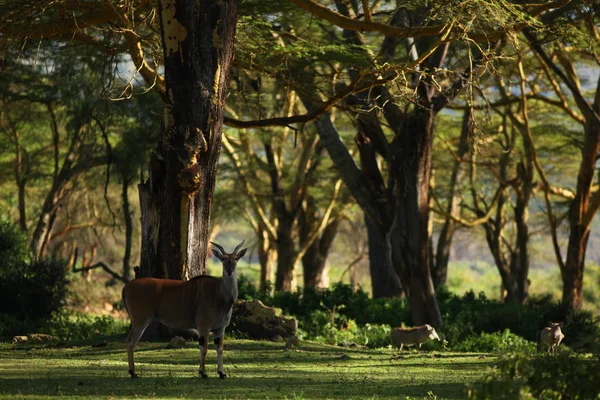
(256, 369)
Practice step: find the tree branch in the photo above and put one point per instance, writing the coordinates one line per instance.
(344, 22)
(585, 107)
(526, 131)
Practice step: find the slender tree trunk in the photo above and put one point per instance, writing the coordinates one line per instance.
(267, 257)
(442, 255)
(314, 261)
(286, 256)
(581, 210)
(128, 229)
(286, 252)
(21, 182)
(176, 201)
(580, 218)
(494, 227)
(45, 223)
(520, 266)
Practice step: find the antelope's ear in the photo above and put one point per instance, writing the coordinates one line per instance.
(241, 253)
(217, 254)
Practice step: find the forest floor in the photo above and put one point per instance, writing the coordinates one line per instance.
(255, 369)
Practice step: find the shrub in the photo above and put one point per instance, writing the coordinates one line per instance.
(13, 247)
(498, 342)
(82, 326)
(30, 292)
(323, 313)
(33, 291)
(471, 315)
(342, 300)
(376, 336)
(564, 376)
(248, 291)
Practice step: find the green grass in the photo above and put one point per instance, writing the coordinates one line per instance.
(255, 369)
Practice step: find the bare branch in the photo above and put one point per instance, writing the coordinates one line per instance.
(526, 131)
(100, 264)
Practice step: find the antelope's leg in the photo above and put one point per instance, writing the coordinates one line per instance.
(135, 333)
(219, 337)
(203, 341)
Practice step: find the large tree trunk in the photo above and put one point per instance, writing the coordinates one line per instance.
(410, 172)
(384, 280)
(176, 200)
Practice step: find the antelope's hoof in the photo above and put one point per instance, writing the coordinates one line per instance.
(222, 375)
(203, 375)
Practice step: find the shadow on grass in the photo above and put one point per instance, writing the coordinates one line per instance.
(309, 385)
(255, 370)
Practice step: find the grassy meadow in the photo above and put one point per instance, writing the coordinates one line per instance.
(255, 369)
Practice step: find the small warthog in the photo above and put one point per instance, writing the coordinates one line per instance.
(412, 336)
(551, 336)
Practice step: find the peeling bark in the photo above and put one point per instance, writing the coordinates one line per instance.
(198, 39)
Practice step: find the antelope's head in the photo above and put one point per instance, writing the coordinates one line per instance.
(229, 260)
(555, 329)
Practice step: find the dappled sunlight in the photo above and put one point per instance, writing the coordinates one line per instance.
(255, 370)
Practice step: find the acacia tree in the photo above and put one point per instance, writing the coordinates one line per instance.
(451, 213)
(197, 39)
(586, 201)
(285, 204)
(67, 120)
(507, 236)
(400, 206)
(196, 49)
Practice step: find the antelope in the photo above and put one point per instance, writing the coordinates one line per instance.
(204, 302)
(412, 336)
(551, 336)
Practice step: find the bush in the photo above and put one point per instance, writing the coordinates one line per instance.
(83, 327)
(13, 247)
(248, 291)
(498, 342)
(471, 315)
(376, 336)
(33, 291)
(342, 300)
(564, 376)
(30, 292)
(326, 314)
